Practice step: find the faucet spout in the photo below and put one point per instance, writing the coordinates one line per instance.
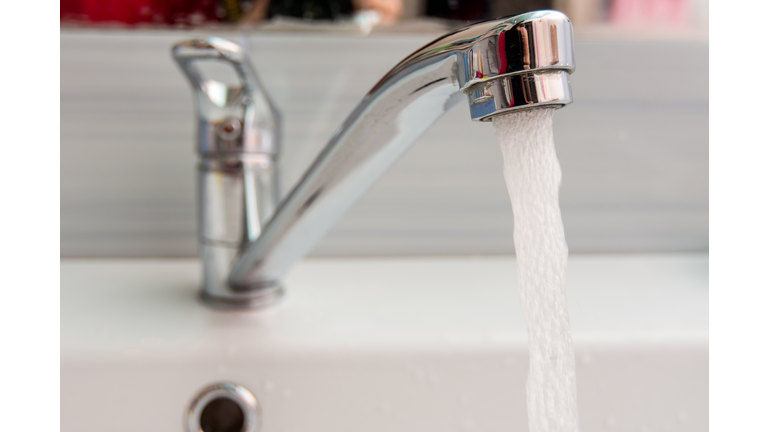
(519, 62)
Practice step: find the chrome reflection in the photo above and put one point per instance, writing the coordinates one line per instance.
(521, 91)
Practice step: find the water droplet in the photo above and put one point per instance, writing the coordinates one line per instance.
(682, 416)
(269, 386)
(134, 352)
(622, 135)
(287, 393)
(231, 350)
(610, 422)
(586, 359)
(420, 375)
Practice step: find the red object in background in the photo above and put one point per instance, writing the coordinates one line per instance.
(140, 11)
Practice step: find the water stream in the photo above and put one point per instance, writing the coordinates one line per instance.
(533, 176)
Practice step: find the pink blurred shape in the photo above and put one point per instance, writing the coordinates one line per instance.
(650, 12)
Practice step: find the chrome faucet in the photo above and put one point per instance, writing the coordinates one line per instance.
(502, 65)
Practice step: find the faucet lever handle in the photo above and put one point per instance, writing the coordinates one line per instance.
(228, 112)
(190, 52)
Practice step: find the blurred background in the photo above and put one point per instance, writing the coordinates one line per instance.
(633, 146)
(669, 14)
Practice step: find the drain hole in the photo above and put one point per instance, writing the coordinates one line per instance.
(222, 415)
(223, 407)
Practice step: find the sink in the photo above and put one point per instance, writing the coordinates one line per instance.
(381, 344)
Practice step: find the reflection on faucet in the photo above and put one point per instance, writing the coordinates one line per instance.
(520, 62)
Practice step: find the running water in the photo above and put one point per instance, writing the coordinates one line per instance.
(533, 178)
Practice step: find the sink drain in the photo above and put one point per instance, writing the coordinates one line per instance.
(224, 407)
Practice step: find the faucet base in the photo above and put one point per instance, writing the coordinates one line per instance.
(260, 298)
(219, 293)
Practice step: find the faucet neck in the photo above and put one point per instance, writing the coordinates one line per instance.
(501, 65)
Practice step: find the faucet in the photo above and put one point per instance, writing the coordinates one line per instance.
(248, 240)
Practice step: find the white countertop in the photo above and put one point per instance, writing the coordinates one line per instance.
(407, 344)
(149, 307)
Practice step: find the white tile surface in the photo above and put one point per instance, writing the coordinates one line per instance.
(633, 148)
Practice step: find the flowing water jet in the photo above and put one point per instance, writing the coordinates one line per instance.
(533, 176)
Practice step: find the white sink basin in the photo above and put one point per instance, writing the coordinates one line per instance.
(416, 344)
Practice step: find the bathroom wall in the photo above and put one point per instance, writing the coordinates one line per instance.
(633, 148)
